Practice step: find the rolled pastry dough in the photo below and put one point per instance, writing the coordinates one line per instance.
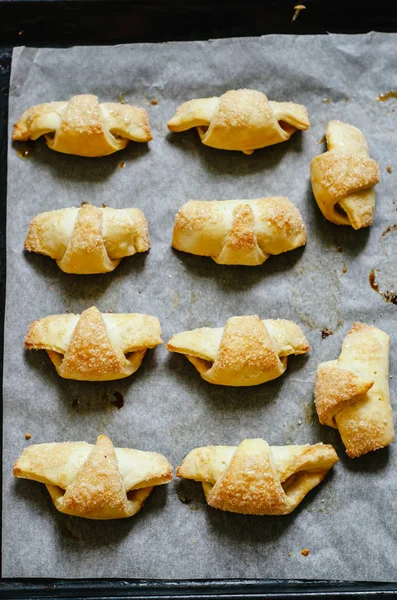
(255, 478)
(247, 351)
(84, 127)
(239, 232)
(240, 120)
(94, 481)
(95, 346)
(88, 240)
(343, 178)
(352, 392)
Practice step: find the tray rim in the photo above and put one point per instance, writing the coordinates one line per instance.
(182, 589)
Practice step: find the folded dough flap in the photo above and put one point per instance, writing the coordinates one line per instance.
(39, 120)
(129, 332)
(254, 478)
(58, 465)
(343, 137)
(204, 343)
(124, 120)
(338, 174)
(291, 116)
(335, 389)
(194, 113)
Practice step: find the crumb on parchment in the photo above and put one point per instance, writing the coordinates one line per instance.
(27, 436)
(305, 552)
(389, 169)
(154, 101)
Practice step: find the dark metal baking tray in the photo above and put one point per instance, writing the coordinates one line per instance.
(70, 22)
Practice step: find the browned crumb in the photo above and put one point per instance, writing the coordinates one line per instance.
(297, 10)
(104, 205)
(289, 553)
(339, 249)
(27, 436)
(154, 101)
(305, 552)
(121, 165)
(122, 99)
(389, 169)
(118, 401)
(387, 95)
(325, 332)
(326, 100)
(344, 270)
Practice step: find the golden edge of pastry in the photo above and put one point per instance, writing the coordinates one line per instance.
(352, 392)
(88, 240)
(239, 232)
(95, 346)
(256, 479)
(94, 481)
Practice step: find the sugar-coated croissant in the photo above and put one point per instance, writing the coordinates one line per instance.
(83, 126)
(239, 232)
(240, 120)
(255, 478)
(343, 178)
(95, 346)
(247, 351)
(94, 481)
(352, 392)
(88, 239)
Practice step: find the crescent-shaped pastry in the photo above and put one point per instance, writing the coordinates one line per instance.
(94, 481)
(255, 478)
(240, 120)
(352, 392)
(88, 240)
(95, 346)
(343, 178)
(239, 232)
(84, 127)
(247, 351)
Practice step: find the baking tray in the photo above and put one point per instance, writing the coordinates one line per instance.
(60, 22)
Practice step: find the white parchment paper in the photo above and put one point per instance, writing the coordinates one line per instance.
(348, 522)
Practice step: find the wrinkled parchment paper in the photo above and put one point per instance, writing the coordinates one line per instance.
(347, 522)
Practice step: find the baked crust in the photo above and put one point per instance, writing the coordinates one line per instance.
(239, 232)
(240, 120)
(255, 478)
(343, 178)
(84, 127)
(352, 392)
(88, 240)
(94, 481)
(246, 352)
(95, 346)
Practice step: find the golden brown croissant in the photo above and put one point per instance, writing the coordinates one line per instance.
(84, 127)
(95, 346)
(352, 392)
(94, 482)
(240, 120)
(239, 232)
(343, 178)
(88, 239)
(247, 351)
(255, 478)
